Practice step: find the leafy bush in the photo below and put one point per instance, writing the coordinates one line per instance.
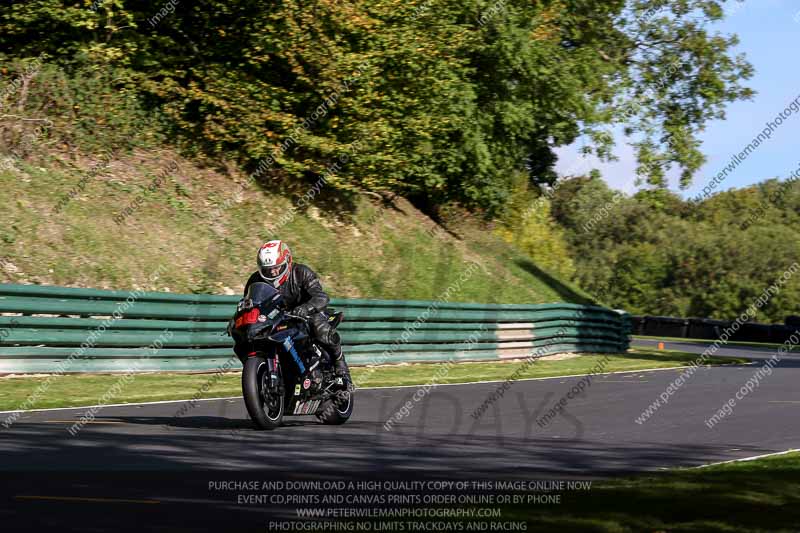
(88, 109)
(528, 225)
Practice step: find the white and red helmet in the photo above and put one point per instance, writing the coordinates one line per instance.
(275, 262)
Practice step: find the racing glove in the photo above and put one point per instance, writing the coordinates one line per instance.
(304, 311)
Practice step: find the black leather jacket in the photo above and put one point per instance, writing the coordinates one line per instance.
(302, 287)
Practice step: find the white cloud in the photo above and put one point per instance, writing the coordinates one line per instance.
(619, 174)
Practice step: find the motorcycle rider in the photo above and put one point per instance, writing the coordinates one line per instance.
(303, 294)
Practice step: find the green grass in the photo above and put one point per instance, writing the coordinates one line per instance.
(741, 497)
(363, 250)
(81, 390)
(637, 359)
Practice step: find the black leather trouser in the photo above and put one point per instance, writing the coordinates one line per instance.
(327, 336)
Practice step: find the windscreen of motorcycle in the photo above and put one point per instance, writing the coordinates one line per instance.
(261, 293)
(258, 307)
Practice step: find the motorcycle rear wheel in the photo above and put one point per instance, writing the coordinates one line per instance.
(265, 409)
(336, 412)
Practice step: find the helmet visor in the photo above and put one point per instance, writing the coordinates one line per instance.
(272, 272)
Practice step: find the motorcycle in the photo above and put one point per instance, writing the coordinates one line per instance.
(284, 370)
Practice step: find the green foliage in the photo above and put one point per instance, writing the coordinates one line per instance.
(451, 103)
(658, 254)
(88, 109)
(529, 226)
(448, 99)
(680, 76)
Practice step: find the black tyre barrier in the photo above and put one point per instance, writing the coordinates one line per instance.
(666, 326)
(792, 321)
(780, 334)
(753, 332)
(712, 329)
(706, 328)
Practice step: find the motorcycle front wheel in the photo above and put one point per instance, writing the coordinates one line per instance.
(265, 407)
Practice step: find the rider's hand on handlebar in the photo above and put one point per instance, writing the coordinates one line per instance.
(303, 311)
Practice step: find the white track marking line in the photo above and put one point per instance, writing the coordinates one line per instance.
(360, 388)
(753, 458)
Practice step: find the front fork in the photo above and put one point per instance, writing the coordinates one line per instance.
(273, 382)
(273, 365)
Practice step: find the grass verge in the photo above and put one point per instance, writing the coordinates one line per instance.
(751, 496)
(82, 390)
(180, 231)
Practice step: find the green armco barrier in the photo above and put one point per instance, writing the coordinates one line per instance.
(70, 293)
(137, 309)
(87, 324)
(71, 337)
(60, 329)
(219, 312)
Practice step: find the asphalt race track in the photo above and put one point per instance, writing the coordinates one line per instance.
(143, 461)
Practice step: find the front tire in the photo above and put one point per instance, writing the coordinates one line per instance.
(266, 409)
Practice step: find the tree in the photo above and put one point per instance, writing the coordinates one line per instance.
(447, 99)
(658, 254)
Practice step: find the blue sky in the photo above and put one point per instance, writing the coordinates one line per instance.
(769, 31)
